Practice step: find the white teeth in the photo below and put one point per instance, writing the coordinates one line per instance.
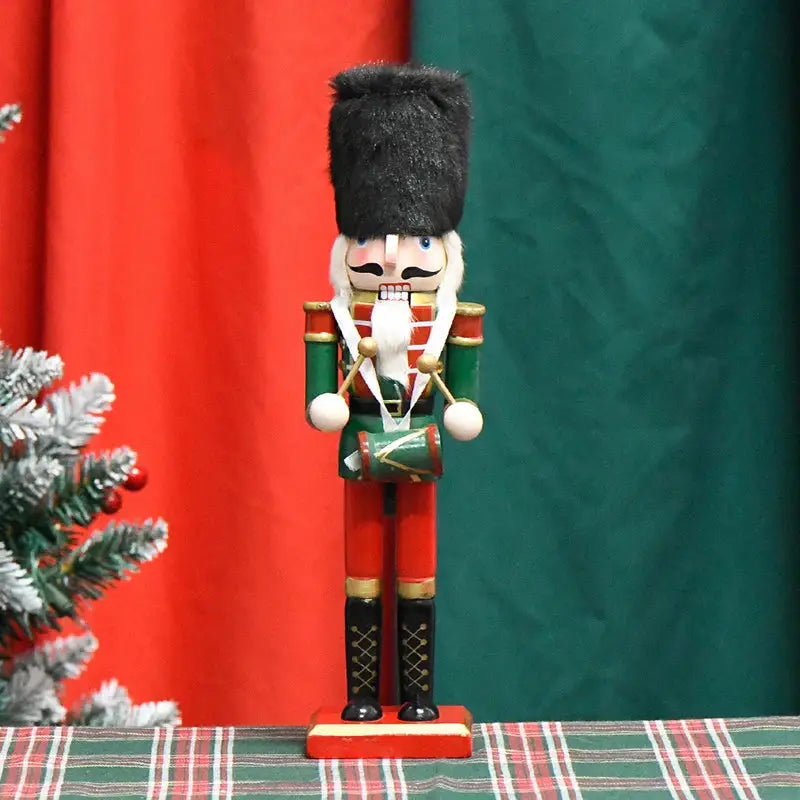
(394, 291)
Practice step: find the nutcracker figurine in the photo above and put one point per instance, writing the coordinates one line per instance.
(398, 138)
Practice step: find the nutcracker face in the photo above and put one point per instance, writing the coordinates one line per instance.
(394, 266)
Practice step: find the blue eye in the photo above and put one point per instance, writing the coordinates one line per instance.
(425, 242)
(361, 242)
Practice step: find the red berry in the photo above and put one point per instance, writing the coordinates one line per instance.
(112, 502)
(137, 479)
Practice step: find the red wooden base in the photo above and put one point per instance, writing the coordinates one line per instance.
(450, 736)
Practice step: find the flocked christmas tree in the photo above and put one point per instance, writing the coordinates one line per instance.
(9, 115)
(51, 492)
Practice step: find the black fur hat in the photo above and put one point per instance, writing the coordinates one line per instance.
(398, 139)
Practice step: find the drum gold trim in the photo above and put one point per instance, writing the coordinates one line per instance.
(465, 341)
(417, 590)
(383, 454)
(470, 309)
(315, 305)
(363, 588)
(320, 337)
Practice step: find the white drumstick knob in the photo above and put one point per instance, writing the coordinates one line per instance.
(328, 412)
(463, 420)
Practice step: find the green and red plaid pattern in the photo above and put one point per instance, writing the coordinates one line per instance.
(711, 759)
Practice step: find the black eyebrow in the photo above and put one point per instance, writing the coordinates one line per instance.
(370, 267)
(417, 272)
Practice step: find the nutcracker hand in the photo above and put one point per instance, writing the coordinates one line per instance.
(463, 420)
(328, 412)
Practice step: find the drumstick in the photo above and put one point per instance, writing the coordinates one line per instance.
(367, 348)
(428, 364)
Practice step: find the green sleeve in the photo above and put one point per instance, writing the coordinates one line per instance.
(461, 371)
(320, 368)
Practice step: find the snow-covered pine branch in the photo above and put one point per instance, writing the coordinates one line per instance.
(154, 715)
(108, 707)
(79, 492)
(17, 592)
(24, 373)
(22, 420)
(29, 697)
(109, 554)
(77, 414)
(61, 658)
(111, 707)
(10, 115)
(24, 484)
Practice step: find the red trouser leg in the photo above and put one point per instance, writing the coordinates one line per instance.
(416, 588)
(416, 532)
(363, 529)
(363, 526)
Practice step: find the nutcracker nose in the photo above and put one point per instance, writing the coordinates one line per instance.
(390, 256)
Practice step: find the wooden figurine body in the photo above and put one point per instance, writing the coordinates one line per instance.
(398, 140)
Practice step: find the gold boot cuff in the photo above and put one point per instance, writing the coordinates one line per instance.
(365, 588)
(417, 590)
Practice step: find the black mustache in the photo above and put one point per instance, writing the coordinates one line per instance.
(418, 272)
(372, 268)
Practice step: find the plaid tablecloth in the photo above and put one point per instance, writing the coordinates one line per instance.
(735, 759)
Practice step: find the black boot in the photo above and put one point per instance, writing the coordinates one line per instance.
(415, 632)
(362, 648)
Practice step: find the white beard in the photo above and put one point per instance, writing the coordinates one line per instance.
(391, 329)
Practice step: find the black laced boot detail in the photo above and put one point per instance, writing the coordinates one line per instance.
(415, 634)
(362, 648)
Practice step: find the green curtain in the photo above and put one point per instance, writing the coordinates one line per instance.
(621, 542)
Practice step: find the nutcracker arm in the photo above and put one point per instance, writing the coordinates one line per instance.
(322, 348)
(462, 417)
(462, 360)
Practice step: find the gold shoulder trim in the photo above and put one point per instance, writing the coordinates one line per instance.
(315, 305)
(465, 341)
(320, 337)
(470, 309)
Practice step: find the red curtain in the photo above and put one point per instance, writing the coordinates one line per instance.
(165, 211)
